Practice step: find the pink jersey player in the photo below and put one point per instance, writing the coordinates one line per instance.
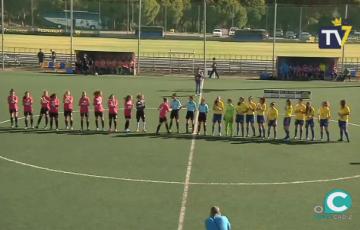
(45, 102)
(28, 109)
(164, 109)
(113, 105)
(128, 106)
(68, 102)
(98, 104)
(54, 105)
(13, 101)
(28, 103)
(84, 104)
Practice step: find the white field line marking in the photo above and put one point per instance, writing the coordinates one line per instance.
(86, 174)
(59, 171)
(189, 167)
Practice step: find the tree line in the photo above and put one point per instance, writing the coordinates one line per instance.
(187, 15)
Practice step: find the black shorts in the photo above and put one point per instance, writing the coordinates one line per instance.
(68, 113)
(299, 122)
(54, 115)
(190, 115)
(99, 114)
(127, 117)
(28, 114)
(112, 116)
(202, 117)
(162, 119)
(174, 114)
(140, 115)
(84, 114)
(13, 111)
(44, 111)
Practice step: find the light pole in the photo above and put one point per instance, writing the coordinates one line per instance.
(205, 74)
(343, 47)
(71, 28)
(2, 34)
(139, 36)
(274, 39)
(32, 14)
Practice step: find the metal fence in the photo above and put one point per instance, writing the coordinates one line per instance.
(166, 63)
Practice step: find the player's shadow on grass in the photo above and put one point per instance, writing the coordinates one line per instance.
(280, 142)
(47, 131)
(231, 140)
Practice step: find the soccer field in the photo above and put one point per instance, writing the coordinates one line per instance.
(30, 43)
(100, 180)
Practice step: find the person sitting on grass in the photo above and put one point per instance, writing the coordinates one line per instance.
(229, 118)
(272, 116)
(216, 221)
(164, 108)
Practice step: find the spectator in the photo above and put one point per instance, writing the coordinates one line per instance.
(53, 57)
(199, 76)
(214, 70)
(216, 221)
(40, 56)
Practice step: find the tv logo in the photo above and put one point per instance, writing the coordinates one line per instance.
(337, 201)
(334, 37)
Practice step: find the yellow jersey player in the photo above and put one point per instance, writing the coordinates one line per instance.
(241, 110)
(309, 123)
(287, 119)
(250, 116)
(260, 116)
(344, 114)
(324, 117)
(218, 110)
(272, 116)
(300, 109)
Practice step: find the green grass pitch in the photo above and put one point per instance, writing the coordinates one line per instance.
(30, 43)
(38, 198)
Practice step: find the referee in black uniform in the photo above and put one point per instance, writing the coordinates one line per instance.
(214, 69)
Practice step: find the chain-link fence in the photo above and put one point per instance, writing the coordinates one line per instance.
(239, 34)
